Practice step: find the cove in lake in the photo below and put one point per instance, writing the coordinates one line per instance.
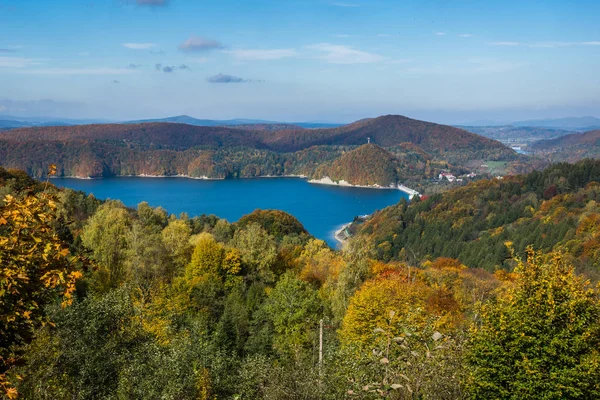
(320, 208)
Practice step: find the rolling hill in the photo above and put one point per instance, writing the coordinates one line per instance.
(389, 131)
(517, 134)
(481, 223)
(154, 135)
(170, 148)
(574, 147)
(591, 138)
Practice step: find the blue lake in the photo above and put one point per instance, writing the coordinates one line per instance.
(320, 208)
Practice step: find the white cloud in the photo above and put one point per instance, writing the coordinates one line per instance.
(440, 33)
(341, 35)
(261, 55)
(547, 45)
(336, 54)
(465, 35)
(197, 43)
(18, 62)
(78, 71)
(139, 46)
(505, 44)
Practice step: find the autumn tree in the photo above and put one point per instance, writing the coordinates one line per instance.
(105, 234)
(258, 251)
(37, 268)
(176, 238)
(541, 339)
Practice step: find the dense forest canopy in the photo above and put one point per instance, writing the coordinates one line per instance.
(555, 209)
(425, 301)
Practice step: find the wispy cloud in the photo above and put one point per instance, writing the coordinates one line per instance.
(116, 81)
(465, 35)
(342, 35)
(134, 66)
(384, 35)
(548, 45)
(196, 43)
(337, 54)
(8, 50)
(139, 46)
(170, 68)
(261, 55)
(505, 44)
(224, 78)
(343, 4)
(19, 62)
(440, 33)
(77, 71)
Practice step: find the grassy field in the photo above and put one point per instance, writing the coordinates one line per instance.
(496, 167)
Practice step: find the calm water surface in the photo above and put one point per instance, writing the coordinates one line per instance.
(320, 208)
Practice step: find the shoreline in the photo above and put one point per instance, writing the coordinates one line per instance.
(340, 235)
(328, 181)
(323, 181)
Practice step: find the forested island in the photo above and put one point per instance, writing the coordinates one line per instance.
(484, 291)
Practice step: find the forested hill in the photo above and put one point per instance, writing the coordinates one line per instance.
(389, 131)
(155, 135)
(570, 147)
(386, 131)
(224, 152)
(591, 138)
(366, 165)
(479, 224)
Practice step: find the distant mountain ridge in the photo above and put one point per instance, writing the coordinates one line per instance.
(569, 123)
(186, 119)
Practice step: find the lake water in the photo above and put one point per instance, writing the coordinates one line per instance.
(320, 208)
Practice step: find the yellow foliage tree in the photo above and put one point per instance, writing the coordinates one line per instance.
(36, 269)
(371, 305)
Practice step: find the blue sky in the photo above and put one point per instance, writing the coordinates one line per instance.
(447, 61)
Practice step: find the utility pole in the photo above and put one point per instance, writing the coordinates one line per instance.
(320, 345)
